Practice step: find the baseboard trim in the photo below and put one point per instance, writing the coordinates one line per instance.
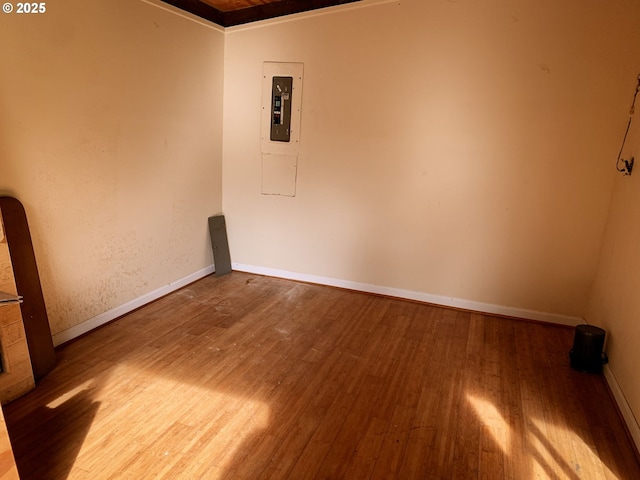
(110, 315)
(411, 295)
(623, 406)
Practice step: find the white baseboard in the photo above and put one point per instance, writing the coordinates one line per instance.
(623, 405)
(106, 317)
(411, 295)
(88, 325)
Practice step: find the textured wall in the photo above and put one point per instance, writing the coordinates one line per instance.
(111, 136)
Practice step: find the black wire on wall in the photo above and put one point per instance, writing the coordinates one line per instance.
(628, 164)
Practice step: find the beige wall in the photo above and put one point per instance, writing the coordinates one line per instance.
(615, 301)
(462, 149)
(110, 135)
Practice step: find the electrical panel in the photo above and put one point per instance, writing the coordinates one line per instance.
(280, 127)
(281, 109)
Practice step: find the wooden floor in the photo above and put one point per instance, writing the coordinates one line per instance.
(248, 377)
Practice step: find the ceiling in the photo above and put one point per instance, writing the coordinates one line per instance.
(228, 13)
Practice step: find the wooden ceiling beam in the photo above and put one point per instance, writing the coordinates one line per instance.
(252, 14)
(200, 9)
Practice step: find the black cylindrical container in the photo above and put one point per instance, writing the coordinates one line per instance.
(586, 354)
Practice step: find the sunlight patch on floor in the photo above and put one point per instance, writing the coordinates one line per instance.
(555, 451)
(491, 418)
(564, 453)
(85, 386)
(163, 412)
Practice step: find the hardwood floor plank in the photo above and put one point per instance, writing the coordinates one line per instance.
(368, 449)
(466, 455)
(249, 377)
